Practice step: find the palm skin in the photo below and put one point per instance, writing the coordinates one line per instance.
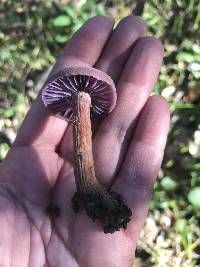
(127, 146)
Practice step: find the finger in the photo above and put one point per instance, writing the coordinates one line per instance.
(119, 46)
(143, 160)
(135, 85)
(39, 126)
(86, 45)
(112, 61)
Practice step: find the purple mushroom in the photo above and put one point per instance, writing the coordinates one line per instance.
(61, 88)
(76, 94)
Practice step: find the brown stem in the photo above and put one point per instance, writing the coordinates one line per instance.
(85, 178)
(108, 207)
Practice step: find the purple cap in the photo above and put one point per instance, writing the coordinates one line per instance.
(59, 89)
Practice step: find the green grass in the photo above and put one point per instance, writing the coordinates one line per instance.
(31, 36)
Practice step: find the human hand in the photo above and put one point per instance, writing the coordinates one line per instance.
(128, 148)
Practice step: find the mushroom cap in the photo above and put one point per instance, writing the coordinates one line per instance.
(59, 89)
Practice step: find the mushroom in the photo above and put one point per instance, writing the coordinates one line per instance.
(76, 94)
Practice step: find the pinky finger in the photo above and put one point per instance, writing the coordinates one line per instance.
(142, 162)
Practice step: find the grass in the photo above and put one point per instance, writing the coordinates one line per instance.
(31, 36)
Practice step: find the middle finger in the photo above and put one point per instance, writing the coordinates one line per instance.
(135, 85)
(118, 48)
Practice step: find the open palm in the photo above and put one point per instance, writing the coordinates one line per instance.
(127, 146)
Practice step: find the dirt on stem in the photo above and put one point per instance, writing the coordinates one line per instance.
(107, 207)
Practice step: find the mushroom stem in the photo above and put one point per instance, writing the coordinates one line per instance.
(67, 94)
(108, 207)
(85, 178)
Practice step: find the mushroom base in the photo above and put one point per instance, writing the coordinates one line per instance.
(108, 208)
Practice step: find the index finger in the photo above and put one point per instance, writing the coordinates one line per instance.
(84, 48)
